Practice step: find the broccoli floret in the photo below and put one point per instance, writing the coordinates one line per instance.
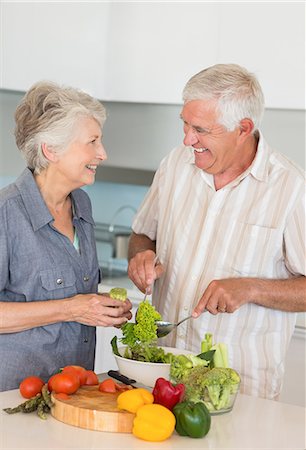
(214, 386)
(182, 364)
(118, 293)
(180, 367)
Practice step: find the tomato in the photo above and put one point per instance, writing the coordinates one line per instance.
(50, 383)
(91, 378)
(67, 383)
(107, 385)
(62, 396)
(31, 386)
(78, 370)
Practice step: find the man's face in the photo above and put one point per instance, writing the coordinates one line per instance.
(216, 150)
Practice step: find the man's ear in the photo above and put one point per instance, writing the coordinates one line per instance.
(48, 154)
(246, 126)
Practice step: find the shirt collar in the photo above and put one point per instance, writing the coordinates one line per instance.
(38, 212)
(81, 209)
(260, 165)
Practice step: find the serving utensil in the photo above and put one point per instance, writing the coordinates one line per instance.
(164, 328)
(148, 288)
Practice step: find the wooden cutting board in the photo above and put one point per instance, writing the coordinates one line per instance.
(89, 408)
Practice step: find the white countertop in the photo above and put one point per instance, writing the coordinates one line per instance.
(253, 424)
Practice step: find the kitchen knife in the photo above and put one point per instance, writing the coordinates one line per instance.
(118, 376)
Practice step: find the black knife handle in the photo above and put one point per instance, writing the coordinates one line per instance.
(118, 376)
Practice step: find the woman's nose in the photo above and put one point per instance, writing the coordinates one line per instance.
(102, 152)
(190, 137)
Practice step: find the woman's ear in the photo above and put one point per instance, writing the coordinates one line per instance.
(48, 154)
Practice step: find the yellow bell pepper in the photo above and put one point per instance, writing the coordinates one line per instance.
(133, 399)
(153, 423)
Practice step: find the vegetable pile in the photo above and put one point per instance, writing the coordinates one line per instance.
(40, 401)
(62, 384)
(157, 414)
(140, 337)
(206, 377)
(209, 380)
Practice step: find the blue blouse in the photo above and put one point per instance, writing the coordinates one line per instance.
(37, 263)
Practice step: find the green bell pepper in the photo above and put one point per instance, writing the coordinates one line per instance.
(192, 419)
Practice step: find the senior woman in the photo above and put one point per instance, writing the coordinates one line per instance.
(49, 273)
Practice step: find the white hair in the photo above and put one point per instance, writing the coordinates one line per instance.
(48, 114)
(237, 92)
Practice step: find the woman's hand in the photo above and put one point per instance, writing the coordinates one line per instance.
(99, 310)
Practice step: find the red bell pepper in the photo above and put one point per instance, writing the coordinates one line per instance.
(167, 394)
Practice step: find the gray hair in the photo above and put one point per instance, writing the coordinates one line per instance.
(237, 92)
(48, 114)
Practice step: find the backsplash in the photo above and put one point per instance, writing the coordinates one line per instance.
(114, 204)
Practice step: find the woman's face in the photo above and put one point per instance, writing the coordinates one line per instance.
(78, 163)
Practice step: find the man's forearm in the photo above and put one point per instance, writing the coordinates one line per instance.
(140, 243)
(286, 295)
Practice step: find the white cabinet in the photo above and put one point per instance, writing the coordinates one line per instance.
(65, 42)
(146, 51)
(156, 47)
(268, 38)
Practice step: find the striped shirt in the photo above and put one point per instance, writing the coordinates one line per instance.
(252, 227)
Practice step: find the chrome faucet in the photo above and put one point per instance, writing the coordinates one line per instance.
(119, 210)
(120, 240)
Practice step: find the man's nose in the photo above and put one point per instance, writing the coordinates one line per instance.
(190, 138)
(101, 154)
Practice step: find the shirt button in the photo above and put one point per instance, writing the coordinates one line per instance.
(186, 308)
(86, 278)
(85, 340)
(59, 281)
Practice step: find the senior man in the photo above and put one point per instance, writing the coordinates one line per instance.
(226, 216)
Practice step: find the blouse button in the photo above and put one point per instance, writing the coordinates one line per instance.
(59, 281)
(85, 340)
(86, 278)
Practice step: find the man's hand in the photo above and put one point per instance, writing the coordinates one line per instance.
(229, 294)
(225, 295)
(143, 269)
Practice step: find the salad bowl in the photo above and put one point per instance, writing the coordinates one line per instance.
(146, 373)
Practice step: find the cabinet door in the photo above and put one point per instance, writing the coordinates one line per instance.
(156, 47)
(62, 42)
(269, 40)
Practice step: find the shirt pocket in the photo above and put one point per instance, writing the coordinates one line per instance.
(59, 282)
(255, 250)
